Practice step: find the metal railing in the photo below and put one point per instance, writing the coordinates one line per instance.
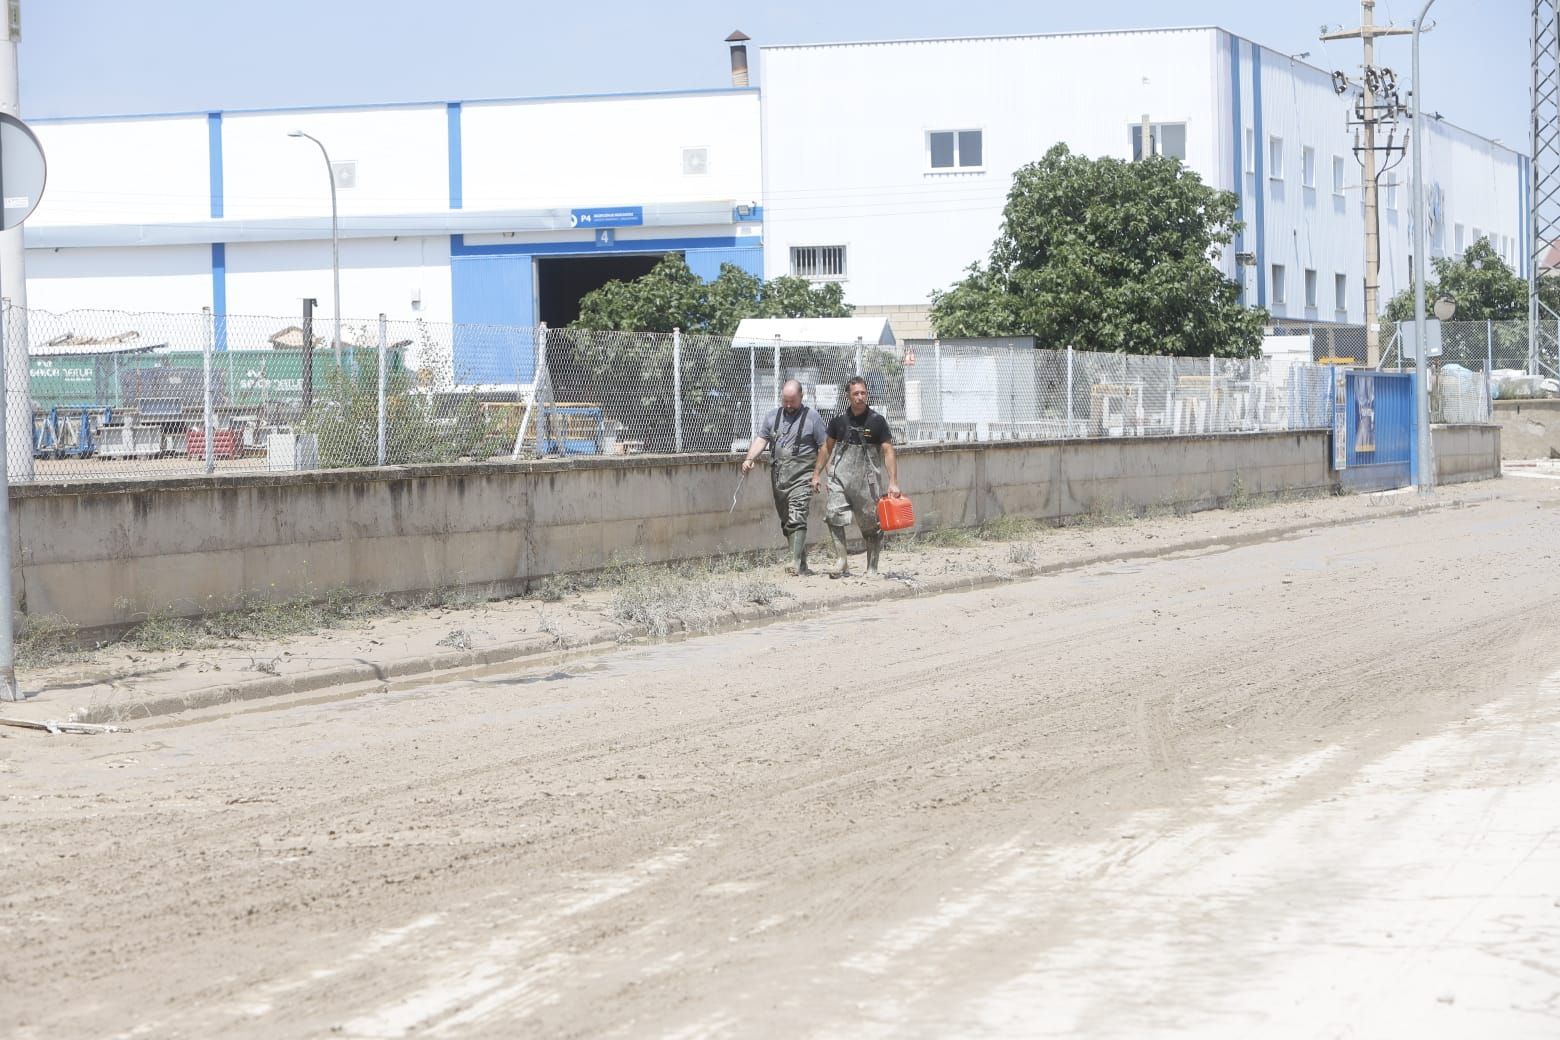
(115, 395)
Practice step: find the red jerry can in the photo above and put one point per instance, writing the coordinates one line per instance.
(895, 514)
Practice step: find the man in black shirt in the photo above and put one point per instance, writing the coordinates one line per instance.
(862, 447)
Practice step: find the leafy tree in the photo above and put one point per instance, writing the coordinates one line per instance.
(1481, 285)
(672, 296)
(1107, 255)
(419, 427)
(611, 356)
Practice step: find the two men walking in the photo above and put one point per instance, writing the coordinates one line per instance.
(860, 446)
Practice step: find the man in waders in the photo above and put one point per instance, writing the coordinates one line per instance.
(861, 447)
(793, 433)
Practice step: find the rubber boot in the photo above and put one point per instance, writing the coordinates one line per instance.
(841, 557)
(874, 547)
(798, 543)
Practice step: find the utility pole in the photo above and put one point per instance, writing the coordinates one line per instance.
(1377, 105)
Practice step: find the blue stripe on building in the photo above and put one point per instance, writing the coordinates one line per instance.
(1259, 146)
(219, 292)
(1237, 170)
(452, 117)
(214, 151)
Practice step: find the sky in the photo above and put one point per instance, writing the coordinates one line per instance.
(109, 57)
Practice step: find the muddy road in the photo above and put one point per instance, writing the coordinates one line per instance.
(1305, 787)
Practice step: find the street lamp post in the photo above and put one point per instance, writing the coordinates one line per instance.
(1425, 478)
(335, 246)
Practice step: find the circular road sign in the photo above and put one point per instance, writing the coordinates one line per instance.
(22, 172)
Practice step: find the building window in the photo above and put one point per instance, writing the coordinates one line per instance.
(1340, 292)
(1167, 139)
(1308, 166)
(818, 263)
(1477, 234)
(1278, 284)
(1310, 289)
(955, 149)
(1458, 237)
(1251, 150)
(1275, 158)
(1338, 176)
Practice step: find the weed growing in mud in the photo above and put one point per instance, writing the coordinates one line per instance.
(1006, 528)
(1241, 497)
(46, 640)
(456, 639)
(253, 619)
(941, 538)
(694, 597)
(1023, 554)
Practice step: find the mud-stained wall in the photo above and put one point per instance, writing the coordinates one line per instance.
(1528, 429)
(109, 554)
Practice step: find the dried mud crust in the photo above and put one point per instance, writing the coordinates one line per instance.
(730, 833)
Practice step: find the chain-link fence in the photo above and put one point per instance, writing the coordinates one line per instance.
(114, 394)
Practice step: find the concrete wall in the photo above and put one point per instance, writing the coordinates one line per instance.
(106, 555)
(1528, 429)
(1465, 453)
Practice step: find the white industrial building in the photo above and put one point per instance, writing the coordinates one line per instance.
(886, 165)
(883, 165)
(482, 213)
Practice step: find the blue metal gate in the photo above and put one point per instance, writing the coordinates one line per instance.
(1373, 429)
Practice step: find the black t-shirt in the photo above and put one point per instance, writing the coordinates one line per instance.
(867, 428)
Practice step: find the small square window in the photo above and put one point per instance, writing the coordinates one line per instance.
(1340, 292)
(1310, 289)
(1251, 150)
(818, 263)
(1275, 158)
(1308, 167)
(1278, 283)
(1338, 175)
(955, 149)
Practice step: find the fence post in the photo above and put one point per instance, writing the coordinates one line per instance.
(859, 372)
(384, 336)
(752, 387)
(8, 688)
(1069, 390)
(937, 383)
(776, 402)
(208, 424)
(543, 376)
(1212, 397)
(1489, 345)
(677, 418)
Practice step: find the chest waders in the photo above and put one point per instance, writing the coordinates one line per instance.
(855, 477)
(790, 476)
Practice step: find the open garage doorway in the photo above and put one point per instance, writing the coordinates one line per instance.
(562, 281)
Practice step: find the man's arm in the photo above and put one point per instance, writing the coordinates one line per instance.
(823, 460)
(754, 450)
(892, 465)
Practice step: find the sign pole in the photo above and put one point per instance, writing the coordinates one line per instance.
(8, 688)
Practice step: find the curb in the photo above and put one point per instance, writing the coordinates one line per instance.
(537, 652)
